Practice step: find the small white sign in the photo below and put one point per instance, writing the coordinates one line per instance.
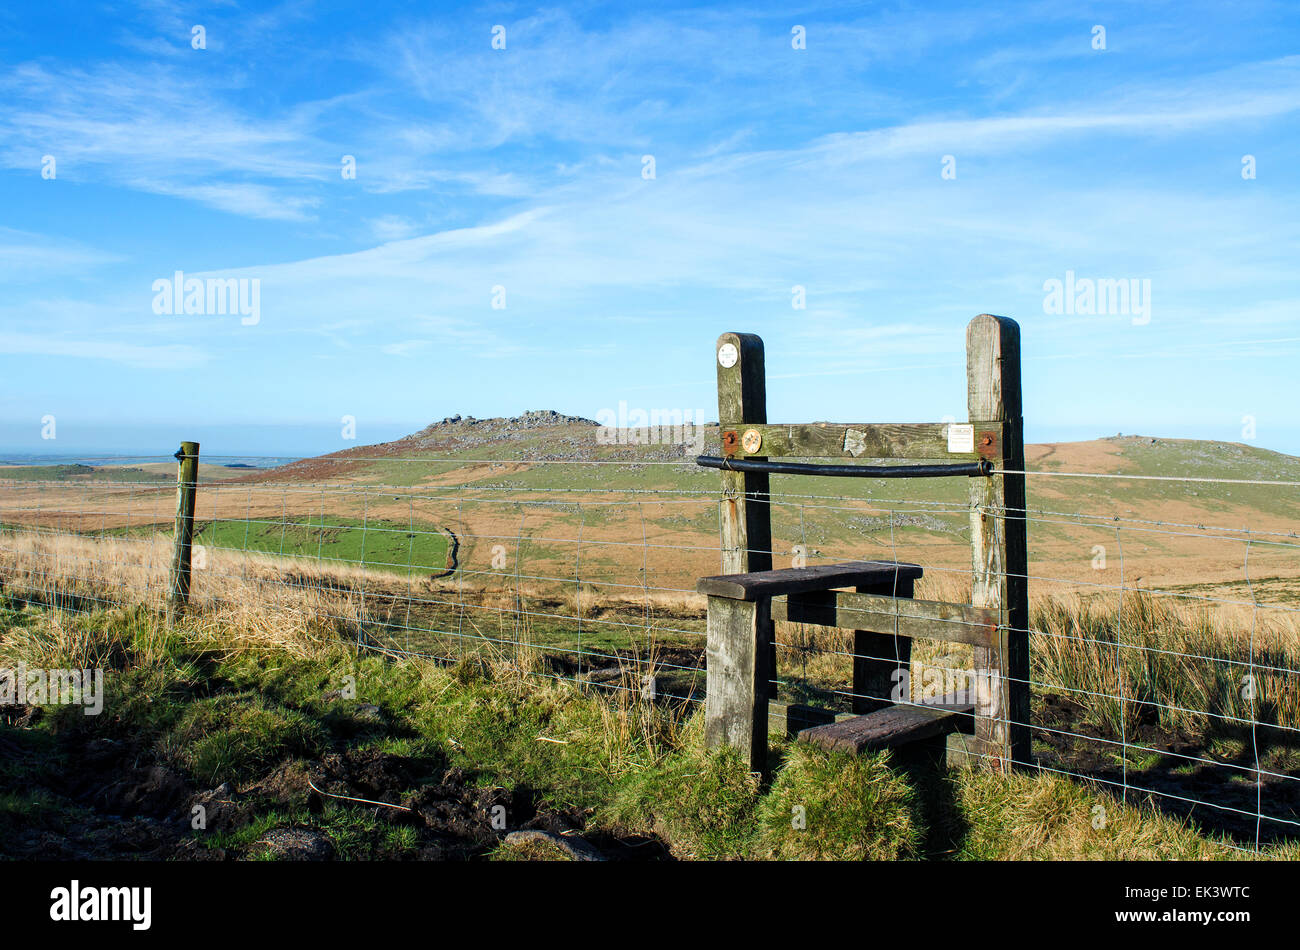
(961, 438)
(727, 355)
(855, 442)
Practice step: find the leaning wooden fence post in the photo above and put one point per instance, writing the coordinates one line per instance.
(187, 475)
(999, 551)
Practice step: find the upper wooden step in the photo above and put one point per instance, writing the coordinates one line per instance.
(890, 727)
(797, 580)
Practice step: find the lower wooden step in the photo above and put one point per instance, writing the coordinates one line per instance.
(889, 728)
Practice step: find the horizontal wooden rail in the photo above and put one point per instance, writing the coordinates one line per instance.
(980, 469)
(913, 440)
(915, 619)
(883, 575)
(889, 728)
(790, 719)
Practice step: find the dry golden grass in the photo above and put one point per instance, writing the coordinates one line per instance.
(249, 601)
(1191, 664)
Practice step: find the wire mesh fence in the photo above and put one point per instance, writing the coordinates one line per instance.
(1163, 647)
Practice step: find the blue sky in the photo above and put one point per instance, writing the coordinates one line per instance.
(523, 168)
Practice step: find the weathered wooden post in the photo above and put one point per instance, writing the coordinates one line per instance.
(999, 550)
(742, 399)
(736, 675)
(187, 476)
(878, 656)
(741, 648)
(746, 522)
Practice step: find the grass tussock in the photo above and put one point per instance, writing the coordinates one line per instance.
(231, 738)
(704, 803)
(834, 806)
(529, 850)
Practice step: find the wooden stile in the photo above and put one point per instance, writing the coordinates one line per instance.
(883, 575)
(880, 611)
(882, 660)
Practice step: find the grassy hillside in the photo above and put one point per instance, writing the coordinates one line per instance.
(542, 497)
(1184, 536)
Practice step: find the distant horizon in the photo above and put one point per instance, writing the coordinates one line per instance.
(288, 441)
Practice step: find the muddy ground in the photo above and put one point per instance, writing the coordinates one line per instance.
(118, 801)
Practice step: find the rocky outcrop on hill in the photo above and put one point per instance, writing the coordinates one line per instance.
(545, 435)
(469, 430)
(539, 435)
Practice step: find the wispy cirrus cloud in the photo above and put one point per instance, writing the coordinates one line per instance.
(156, 129)
(142, 356)
(25, 256)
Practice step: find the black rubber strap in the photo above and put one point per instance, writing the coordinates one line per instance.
(968, 469)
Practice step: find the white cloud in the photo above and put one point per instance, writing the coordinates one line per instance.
(170, 356)
(406, 347)
(25, 256)
(391, 227)
(248, 200)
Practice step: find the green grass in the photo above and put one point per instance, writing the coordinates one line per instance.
(232, 737)
(183, 700)
(1048, 817)
(416, 547)
(33, 809)
(705, 803)
(834, 806)
(78, 472)
(384, 545)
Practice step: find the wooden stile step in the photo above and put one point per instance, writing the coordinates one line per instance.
(891, 727)
(796, 580)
